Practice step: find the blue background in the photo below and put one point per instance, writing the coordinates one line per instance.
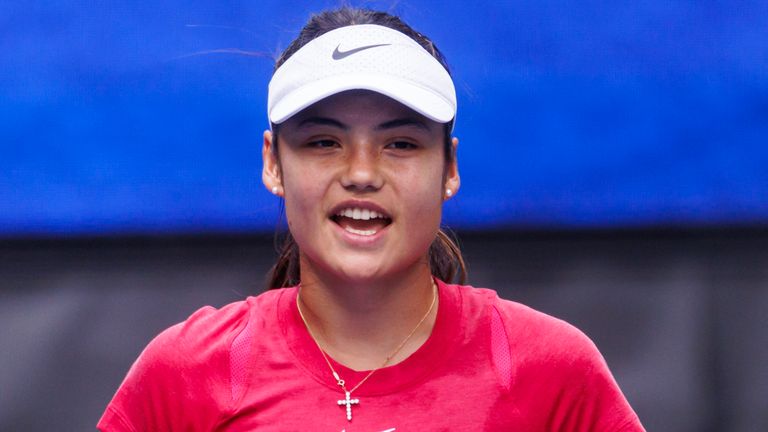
(120, 117)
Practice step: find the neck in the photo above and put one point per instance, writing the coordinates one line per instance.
(360, 323)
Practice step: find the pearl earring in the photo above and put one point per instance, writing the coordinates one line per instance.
(274, 190)
(449, 192)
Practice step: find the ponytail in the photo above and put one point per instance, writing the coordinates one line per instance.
(445, 262)
(445, 259)
(286, 271)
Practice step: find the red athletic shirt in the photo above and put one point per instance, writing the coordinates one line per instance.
(489, 365)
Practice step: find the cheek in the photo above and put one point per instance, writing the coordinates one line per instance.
(421, 191)
(300, 194)
(423, 218)
(423, 182)
(304, 189)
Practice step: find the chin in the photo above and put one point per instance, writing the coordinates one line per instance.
(363, 269)
(360, 271)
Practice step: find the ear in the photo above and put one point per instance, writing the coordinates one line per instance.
(452, 179)
(270, 174)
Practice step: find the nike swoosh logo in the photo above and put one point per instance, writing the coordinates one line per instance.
(338, 55)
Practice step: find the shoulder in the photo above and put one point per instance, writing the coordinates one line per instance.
(545, 335)
(536, 344)
(554, 365)
(204, 339)
(209, 324)
(528, 330)
(186, 374)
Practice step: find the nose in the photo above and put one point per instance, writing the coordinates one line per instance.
(362, 171)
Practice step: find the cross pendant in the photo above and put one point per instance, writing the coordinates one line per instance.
(348, 402)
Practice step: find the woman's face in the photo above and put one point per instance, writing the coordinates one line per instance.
(363, 178)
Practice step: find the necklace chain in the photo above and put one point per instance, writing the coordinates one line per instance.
(340, 382)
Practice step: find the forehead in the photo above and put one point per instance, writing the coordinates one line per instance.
(361, 108)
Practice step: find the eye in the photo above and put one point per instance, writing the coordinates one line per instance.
(402, 145)
(322, 143)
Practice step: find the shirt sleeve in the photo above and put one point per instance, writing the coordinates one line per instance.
(591, 399)
(180, 382)
(112, 421)
(571, 387)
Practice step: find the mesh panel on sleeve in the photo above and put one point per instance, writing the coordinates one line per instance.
(500, 351)
(239, 358)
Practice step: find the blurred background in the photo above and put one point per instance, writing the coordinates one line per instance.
(614, 161)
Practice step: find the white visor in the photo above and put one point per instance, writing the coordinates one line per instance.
(362, 57)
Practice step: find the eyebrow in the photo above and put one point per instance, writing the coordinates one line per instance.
(407, 121)
(391, 124)
(323, 121)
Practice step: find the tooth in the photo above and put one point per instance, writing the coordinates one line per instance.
(361, 232)
(357, 213)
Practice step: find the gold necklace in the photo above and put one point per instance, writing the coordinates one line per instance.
(348, 401)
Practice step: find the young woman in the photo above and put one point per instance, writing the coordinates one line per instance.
(363, 331)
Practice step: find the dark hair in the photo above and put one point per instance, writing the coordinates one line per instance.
(445, 259)
(322, 23)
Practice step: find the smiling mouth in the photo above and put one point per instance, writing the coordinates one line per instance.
(361, 221)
